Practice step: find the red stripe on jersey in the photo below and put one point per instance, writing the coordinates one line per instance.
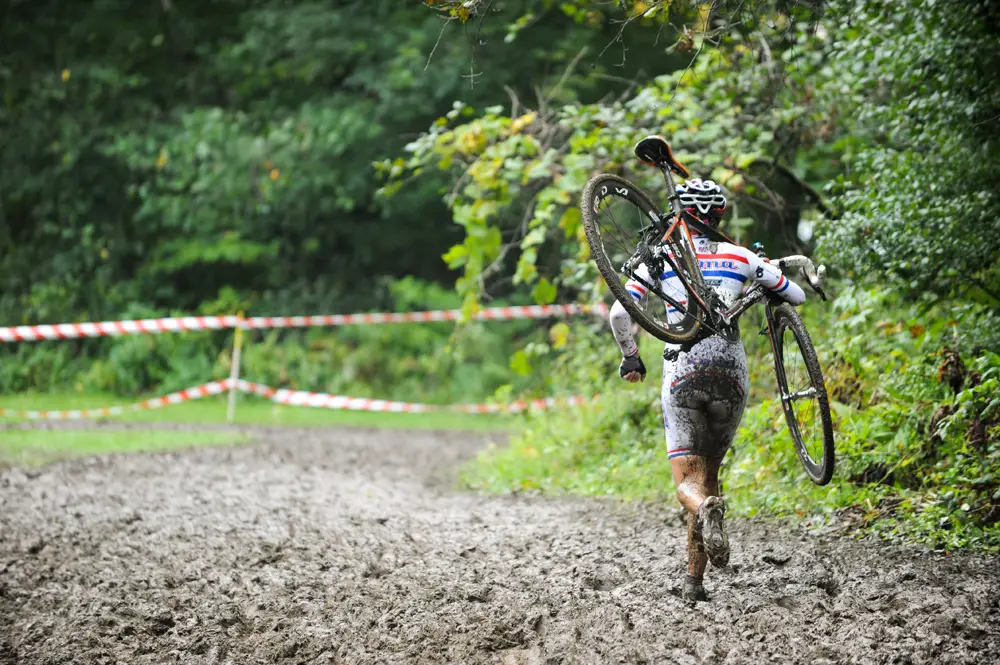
(734, 257)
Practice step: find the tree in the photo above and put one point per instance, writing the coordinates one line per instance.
(185, 157)
(920, 186)
(872, 103)
(737, 110)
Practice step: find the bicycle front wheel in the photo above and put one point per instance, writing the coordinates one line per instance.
(803, 394)
(615, 213)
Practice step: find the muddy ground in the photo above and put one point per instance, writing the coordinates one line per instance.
(350, 546)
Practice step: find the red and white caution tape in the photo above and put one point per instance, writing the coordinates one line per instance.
(346, 403)
(295, 398)
(192, 323)
(117, 328)
(489, 314)
(213, 388)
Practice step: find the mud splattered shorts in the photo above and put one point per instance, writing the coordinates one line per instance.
(703, 396)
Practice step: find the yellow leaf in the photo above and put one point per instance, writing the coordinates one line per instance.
(559, 335)
(65, 75)
(704, 11)
(275, 174)
(161, 161)
(520, 123)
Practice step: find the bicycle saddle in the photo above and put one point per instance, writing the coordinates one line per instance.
(655, 151)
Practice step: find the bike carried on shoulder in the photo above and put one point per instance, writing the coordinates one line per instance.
(663, 241)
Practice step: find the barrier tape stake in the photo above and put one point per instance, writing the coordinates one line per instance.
(234, 370)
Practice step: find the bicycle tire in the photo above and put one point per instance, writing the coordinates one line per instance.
(690, 326)
(785, 317)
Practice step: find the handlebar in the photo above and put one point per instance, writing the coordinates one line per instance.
(814, 276)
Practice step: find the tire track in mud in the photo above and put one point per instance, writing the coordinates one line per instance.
(349, 546)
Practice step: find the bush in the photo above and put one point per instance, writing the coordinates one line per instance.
(921, 194)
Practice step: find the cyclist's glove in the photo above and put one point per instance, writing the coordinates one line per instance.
(631, 364)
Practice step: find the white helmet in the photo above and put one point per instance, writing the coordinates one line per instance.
(704, 196)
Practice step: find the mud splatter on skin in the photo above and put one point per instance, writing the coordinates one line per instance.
(700, 479)
(349, 547)
(697, 559)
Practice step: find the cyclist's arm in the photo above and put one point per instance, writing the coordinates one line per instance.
(621, 322)
(771, 277)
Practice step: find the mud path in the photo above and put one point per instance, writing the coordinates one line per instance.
(349, 547)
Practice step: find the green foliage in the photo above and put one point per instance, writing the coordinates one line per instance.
(609, 448)
(910, 86)
(880, 103)
(191, 159)
(518, 175)
(164, 156)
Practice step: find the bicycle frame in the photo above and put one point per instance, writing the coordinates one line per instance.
(664, 233)
(716, 316)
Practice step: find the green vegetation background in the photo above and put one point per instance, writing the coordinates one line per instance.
(183, 158)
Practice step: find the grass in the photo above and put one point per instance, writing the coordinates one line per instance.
(36, 447)
(28, 447)
(252, 410)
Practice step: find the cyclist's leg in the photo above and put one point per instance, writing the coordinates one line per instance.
(703, 396)
(696, 479)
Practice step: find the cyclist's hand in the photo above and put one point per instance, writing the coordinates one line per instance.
(632, 369)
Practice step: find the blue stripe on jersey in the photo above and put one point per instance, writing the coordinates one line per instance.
(787, 282)
(711, 273)
(724, 273)
(635, 294)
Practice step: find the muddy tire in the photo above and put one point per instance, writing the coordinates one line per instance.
(818, 462)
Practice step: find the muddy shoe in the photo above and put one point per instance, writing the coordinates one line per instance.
(712, 531)
(693, 590)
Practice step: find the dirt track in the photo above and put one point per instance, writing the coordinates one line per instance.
(349, 547)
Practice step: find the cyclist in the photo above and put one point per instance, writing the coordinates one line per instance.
(705, 383)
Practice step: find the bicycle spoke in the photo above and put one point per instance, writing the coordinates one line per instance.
(618, 236)
(622, 237)
(801, 396)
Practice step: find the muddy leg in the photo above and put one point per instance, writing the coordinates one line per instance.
(697, 479)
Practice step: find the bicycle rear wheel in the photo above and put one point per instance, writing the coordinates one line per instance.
(618, 217)
(803, 394)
